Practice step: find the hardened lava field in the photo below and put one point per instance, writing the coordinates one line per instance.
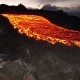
(42, 29)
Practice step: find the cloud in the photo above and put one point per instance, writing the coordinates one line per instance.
(34, 3)
(50, 7)
(60, 3)
(46, 1)
(51, 1)
(54, 8)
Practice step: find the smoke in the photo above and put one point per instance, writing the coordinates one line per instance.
(51, 1)
(46, 1)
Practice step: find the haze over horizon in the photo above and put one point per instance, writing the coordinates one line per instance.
(40, 3)
(72, 7)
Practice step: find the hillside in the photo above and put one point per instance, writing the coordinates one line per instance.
(57, 17)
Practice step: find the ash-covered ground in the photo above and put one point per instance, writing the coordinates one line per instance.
(23, 58)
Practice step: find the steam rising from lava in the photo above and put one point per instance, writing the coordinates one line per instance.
(42, 29)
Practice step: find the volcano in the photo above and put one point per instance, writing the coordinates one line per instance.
(38, 44)
(42, 29)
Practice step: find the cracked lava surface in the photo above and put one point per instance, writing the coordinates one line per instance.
(42, 29)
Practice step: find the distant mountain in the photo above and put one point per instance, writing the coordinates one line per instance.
(5, 8)
(49, 7)
(75, 11)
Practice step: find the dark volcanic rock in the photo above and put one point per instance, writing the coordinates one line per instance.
(17, 70)
(4, 77)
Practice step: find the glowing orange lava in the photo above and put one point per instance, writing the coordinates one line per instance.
(42, 29)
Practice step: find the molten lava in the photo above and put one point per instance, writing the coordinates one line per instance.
(42, 29)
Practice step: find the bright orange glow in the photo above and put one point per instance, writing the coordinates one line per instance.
(42, 29)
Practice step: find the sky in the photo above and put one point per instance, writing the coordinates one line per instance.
(40, 3)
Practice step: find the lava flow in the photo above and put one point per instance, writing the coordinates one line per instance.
(42, 29)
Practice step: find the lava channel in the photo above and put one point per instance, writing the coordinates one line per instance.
(42, 29)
